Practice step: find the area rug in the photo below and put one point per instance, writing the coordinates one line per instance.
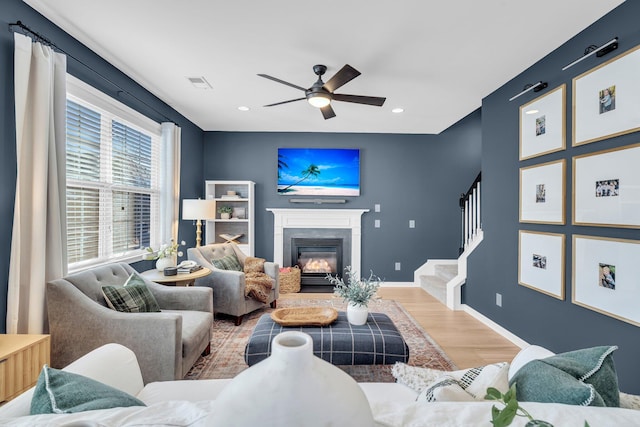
(228, 343)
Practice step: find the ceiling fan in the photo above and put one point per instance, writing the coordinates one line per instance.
(321, 94)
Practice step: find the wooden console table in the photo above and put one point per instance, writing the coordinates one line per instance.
(21, 359)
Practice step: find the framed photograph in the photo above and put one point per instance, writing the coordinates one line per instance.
(541, 262)
(542, 193)
(605, 99)
(543, 124)
(606, 188)
(605, 276)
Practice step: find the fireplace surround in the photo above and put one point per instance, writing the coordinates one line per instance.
(331, 224)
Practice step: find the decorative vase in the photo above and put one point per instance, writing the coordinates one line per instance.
(170, 261)
(293, 387)
(357, 314)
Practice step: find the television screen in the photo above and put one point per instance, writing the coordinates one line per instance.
(319, 171)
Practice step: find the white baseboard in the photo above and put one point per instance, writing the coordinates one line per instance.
(494, 326)
(399, 284)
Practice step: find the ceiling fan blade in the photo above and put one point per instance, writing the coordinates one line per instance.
(358, 99)
(285, 102)
(345, 75)
(275, 79)
(328, 112)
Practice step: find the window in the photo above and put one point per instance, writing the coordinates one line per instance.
(113, 182)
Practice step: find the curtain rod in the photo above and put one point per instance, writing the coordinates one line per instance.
(51, 44)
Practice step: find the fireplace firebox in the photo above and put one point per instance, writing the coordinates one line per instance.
(317, 257)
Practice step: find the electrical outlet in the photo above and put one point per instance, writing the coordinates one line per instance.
(376, 207)
(412, 223)
(499, 300)
(376, 223)
(397, 266)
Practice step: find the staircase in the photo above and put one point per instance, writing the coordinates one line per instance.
(443, 279)
(435, 281)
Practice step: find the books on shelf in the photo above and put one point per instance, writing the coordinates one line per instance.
(187, 270)
(225, 196)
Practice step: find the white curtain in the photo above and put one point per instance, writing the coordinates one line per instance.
(38, 242)
(170, 182)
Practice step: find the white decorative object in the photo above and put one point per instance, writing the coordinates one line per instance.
(169, 261)
(357, 314)
(293, 387)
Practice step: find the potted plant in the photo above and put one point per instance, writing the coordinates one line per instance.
(225, 212)
(166, 256)
(357, 292)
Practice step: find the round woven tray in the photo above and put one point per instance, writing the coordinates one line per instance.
(305, 316)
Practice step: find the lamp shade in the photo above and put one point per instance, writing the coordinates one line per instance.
(198, 209)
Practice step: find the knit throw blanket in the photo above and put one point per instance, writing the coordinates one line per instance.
(258, 284)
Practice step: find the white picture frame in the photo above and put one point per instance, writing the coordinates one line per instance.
(541, 262)
(542, 193)
(593, 290)
(615, 169)
(543, 124)
(619, 78)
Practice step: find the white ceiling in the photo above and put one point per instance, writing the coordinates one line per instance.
(437, 60)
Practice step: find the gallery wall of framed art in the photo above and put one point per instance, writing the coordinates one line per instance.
(603, 189)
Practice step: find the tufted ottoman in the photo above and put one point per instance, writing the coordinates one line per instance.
(377, 342)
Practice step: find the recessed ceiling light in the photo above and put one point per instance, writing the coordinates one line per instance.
(531, 111)
(397, 110)
(243, 108)
(200, 82)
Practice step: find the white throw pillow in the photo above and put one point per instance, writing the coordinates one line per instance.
(526, 355)
(467, 384)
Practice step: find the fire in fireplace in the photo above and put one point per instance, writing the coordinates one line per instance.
(316, 258)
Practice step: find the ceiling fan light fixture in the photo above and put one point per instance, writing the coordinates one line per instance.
(319, 100)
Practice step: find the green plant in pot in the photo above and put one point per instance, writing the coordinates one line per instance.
(357, 292)
(225, 212)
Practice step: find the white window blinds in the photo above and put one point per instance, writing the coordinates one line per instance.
(113, 191)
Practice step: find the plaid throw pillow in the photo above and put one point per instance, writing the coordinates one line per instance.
(132, 297)
(228, 262)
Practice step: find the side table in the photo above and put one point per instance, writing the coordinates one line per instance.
(21, 359)
(180, 279)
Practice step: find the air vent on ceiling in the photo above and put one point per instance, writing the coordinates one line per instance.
(199, 82)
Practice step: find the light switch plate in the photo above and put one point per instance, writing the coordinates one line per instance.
(376, 207)
(376, 223)
(397, 266)
(412, 223)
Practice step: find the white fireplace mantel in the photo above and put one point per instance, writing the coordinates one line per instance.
(318, 218)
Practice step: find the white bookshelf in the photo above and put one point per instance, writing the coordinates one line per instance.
(245, 192)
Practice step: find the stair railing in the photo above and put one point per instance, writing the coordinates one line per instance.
(470, 214)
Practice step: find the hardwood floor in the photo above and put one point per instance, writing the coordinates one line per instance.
(466, 341)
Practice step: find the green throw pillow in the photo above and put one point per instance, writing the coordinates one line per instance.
(227, 262)
(61, 392)
(583, 377)
(132, 297)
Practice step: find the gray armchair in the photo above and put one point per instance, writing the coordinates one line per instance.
(229, 286)
(166, 344)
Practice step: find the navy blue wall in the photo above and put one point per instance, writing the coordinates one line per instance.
(192, 136)
(417, 177)
(533, 316)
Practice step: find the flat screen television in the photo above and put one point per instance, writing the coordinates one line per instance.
(319, 171)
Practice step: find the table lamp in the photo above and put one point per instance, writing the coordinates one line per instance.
(198, 210)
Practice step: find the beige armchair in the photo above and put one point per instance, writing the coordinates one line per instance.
(229, 286)
(166, 344)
